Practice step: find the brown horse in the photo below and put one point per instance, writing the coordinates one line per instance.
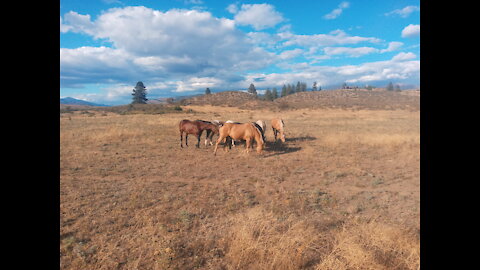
(278, 126)
(196, 128)
(212, 128)
(247, 132)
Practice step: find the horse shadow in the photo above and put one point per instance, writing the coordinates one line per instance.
(279, 148)
(300, 139)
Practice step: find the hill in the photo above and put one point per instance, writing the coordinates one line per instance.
(73, 101)
(345, 98)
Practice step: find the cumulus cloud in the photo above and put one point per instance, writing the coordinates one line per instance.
(404, 12)
(392, 46)
(401, 67)
(412, 30)
(336, 12)
(352, 52)
(259, 16)
(147, 42)
(336, 37)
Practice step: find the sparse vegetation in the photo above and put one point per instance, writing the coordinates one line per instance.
(341, 193)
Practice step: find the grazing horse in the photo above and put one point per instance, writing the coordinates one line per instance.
(263, 126)
(278, 126)
(196, 128)
(229, 140)
(211, 128)
(247, 132)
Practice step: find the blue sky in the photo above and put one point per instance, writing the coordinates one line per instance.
(180, 47)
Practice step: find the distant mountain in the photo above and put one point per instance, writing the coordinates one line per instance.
(73, 101)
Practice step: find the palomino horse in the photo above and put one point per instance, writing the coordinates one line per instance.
(229, 140)
(263, 127)
(196, 128)
(247, 132)
(278, 127)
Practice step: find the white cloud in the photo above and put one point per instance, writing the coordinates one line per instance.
(232, 8)
(76, 23)
(336, 12)
(412, 30)
(337, 37)
(404, 56)
(401, 68)
(260, 16)
(290, 54)
(352, 52)
(392, 46)
(404, 12)
(151, 43)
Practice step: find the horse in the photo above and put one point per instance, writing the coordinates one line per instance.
(278, 126)
(229, 140)
(263, 126)
(247, 132)
(196, 128)
(211, 128)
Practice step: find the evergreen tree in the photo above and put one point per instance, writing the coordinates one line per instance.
(303, 86)
(207, 91)
(139, 94)
(290, 89)
(252, 89)
(298, 88)
(268, 95)
(390, 86)
(284, 91)
(274, 93)
(314, 87)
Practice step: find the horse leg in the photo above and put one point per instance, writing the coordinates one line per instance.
(198, 139)
(274, 134)
(206, 138)
(247, 143)
(181, 139)
(220, 138)
(186, 139)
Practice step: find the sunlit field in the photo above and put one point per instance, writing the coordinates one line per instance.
(341, 193)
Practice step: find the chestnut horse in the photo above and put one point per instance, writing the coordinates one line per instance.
(196, 128)
(247, 132)
(278, 126)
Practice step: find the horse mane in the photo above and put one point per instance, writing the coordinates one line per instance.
(259, 130)
(208, 122)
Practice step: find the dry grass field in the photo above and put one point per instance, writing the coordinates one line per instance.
(341, 193)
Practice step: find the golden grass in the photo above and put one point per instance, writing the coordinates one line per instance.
(341, 193)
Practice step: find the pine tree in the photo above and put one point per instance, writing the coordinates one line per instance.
(303, 86)
(252, 89)
(298, 88)
(139, 94)
(284, 91)
(268, 95)
(390, 86)
(207, 91)
(314, 87)
(290, 89)
(274, 93)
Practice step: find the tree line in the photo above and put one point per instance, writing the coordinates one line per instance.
(139, 92)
